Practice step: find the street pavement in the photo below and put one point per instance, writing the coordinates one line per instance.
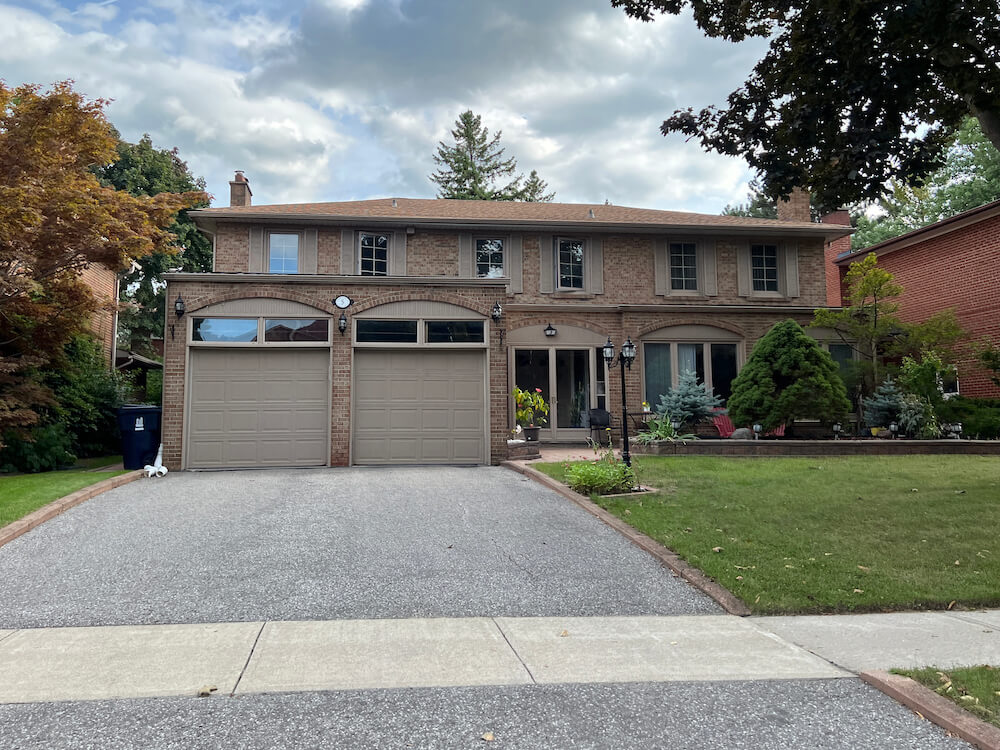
(415, 608)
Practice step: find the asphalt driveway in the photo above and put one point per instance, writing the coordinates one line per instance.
(329, 544)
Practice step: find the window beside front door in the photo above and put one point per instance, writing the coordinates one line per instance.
(569, 263)
(713, 364)
(374, 254)
(282, 253)
(489, 258)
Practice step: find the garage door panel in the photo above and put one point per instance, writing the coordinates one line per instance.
(258, 408)
(419, 406)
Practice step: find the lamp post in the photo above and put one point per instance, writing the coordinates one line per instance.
(837, 427)
(756, 431)
(625, 360)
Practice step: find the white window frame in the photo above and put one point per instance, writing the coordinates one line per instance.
(777, 269)
(388, 252)
(558, 286)
(503, 257)
(260, 332)
(695, 266)
(298, 250)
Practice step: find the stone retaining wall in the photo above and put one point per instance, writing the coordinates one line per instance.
(819, 448)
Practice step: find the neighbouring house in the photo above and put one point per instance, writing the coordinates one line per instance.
(103, 282)
(954, 263)
(392, 331)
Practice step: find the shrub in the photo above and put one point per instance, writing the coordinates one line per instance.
(917, 418)
(47, 448)
(688, 403)
(787, 376)
(87, 397)
(531, 407)
(980, 417)
(884, 406)
(660, 428)
(605, 475)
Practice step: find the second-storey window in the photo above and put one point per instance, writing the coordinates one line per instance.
(570, 264)
(683, 266)
(374, 259)
(283, 253)
(489, 258)
(764, 267)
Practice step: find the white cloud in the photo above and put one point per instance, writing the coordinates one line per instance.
(341, 99)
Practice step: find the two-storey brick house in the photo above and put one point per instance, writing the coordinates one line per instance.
(364, 332)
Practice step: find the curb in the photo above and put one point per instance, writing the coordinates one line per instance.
(722, 596)
(933, 707)
(12, 531)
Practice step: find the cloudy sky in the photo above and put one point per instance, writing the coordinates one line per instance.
(322, 100)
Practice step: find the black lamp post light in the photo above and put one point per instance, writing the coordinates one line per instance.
(837, 427)
(756, 430)
(625, 360)
(496, 314)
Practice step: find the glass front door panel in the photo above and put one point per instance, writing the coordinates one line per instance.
(691, 359)
(531, 370)
(572, 388)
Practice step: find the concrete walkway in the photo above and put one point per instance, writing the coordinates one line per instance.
(57, 664)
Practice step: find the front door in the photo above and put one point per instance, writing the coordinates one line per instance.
(571, 383)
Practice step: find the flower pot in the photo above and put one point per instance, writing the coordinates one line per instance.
(531, 433)
(875, 431)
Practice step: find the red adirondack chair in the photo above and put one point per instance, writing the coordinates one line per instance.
(725, 427)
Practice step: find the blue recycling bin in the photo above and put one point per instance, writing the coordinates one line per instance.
(140, 428)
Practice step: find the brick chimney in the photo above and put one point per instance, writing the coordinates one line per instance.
(239, 190)
(835, 290)
(796, 207)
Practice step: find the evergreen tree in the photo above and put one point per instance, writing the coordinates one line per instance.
(143, 170)
(689, 402)
(475, 167)
(758, 205)
(884, 405)
(788, 376)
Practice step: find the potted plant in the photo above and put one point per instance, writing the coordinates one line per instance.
(531, 411)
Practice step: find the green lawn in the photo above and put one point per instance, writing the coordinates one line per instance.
(976, 689)
(835, 534)
(22, 493)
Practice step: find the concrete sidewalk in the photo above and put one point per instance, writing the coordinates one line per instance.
(57, 664)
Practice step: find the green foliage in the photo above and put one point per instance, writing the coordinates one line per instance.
(989, 358)
(48, 447)
(475, 167)
(661, 428)
(531, 407)
(851, 93)
(758, 205)
(917, 418)
(142, 170)
(690, 402)
(787, 376)
(924, 376)
(884, 405)
(154, 387)
(969, 177)
(980, 417)
(974, 689)
(87, 398)
(605, 475)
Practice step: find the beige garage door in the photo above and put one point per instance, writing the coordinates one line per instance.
(419, 407)
(258, 408)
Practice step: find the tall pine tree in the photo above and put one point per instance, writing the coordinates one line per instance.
(475, 168)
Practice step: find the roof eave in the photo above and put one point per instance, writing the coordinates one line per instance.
(207, 219)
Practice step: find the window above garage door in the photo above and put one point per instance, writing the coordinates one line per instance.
(259, 331)
(420, 323)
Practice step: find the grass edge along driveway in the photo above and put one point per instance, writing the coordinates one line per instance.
(976, 689)
(832, 534)
(20, 494)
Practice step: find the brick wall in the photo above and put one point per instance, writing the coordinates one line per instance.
(959, 270)
(232, 248)
(430, 254)
(835, 288)
(198, 294)
(102, 282)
